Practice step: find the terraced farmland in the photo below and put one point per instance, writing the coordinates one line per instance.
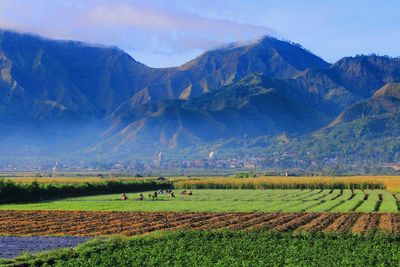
(243, 200)
(79, 223)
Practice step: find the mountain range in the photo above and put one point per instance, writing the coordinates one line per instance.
(68, 96)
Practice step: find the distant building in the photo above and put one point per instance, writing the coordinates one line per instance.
(394, 166)
(211, 155)
(250, 165)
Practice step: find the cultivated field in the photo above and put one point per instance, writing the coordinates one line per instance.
(228, 248)
(218, 200)
(312, 219)
(79, 223)
(390, 183)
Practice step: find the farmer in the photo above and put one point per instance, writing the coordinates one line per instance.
(141, 197)
(124, 196)
(183, 192)
(171, 194)
(155, 194)
(190, 193)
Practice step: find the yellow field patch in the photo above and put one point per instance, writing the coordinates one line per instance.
(391, 183)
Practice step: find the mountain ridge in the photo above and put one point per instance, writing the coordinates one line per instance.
(263, 89)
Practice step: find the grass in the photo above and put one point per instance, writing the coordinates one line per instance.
(229, 248)
(218, 200)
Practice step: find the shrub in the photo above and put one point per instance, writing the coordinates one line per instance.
(22, 192)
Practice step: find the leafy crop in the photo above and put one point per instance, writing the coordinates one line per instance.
(230, 248)
(389, 202)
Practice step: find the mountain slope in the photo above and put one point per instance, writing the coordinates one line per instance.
(220, 67)
(254, 106)
(369, 130)
(384, 103)
(363, 75)
(67, 96)
(223, 66)
(66, 77)
(51, 90)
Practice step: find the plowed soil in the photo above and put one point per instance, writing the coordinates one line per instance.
(83, 223)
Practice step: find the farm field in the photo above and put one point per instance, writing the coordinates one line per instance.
(319, 213)
(228, 248)
(390, 183)
(244, 200)
(83, 223)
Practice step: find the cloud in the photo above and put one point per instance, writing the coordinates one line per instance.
(138, 26)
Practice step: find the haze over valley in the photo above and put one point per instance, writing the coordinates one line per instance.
(268, 100)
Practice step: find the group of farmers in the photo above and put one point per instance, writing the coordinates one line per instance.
(156, 193)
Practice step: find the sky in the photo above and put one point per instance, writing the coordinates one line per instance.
(164, 33)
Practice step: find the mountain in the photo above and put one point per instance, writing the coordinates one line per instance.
(363, 135)
(378, 114)
(363, 75)
(323, 90)
(272, 57)
(51, 87)
(60, 97)
(223, 66)
(253, 106)
(65, 78)
(54, 91)
(47, 79)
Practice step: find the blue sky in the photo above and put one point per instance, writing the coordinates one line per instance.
(163, 33)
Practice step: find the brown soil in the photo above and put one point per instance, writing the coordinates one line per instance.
(86, 223)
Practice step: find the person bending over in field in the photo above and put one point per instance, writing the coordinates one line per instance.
(190, 193)
(124, 196)
(155, 195)
(172, 194)
(183, 192)
(141, 197)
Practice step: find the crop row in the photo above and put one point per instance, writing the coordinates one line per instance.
(78, 223)
(225, 248)
(391, 183)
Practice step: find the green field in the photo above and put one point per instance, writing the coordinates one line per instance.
(287, 200)
(212, 248)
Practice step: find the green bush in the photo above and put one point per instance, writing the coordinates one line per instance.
(245, 175)
(16, 192)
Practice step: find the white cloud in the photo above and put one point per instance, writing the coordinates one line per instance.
(140, 26)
